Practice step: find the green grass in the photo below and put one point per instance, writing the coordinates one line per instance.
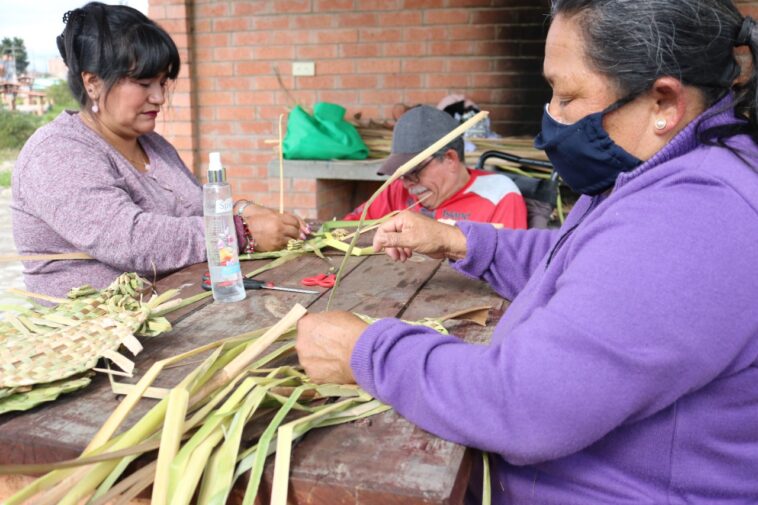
(5, 179)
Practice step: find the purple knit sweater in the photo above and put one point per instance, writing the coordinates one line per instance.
(626, 369)
(73, 192)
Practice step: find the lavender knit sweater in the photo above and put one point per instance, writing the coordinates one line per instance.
(73, 192)
(626, 369)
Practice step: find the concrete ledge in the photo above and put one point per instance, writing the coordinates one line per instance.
(331, 169)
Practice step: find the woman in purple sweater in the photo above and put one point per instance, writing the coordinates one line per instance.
(101, 181)
(626, 369)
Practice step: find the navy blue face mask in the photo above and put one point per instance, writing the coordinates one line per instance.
(583, 153)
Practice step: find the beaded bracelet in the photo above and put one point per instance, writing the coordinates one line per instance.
(249, 240)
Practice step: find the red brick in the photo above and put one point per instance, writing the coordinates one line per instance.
(291, 6)
(424, 65)
(174, 26)
(316, 51)
(446, 16)
(216, 128)
(304, 185)
(497, 48)
(213, 10)
(202, 25)
(356, 81)
(337, 36)
(176, 12)
(360, 20)
(250, 38)
(272, 22)
(230, 25)
(253, 127)
(488, 80)
(430, 96)
(218, 98)
(339, 97)
(313, 21)
(252, 68)
(203, 84)
(291, 37)
(254, 98)
(378, 66)
(402, 81)
(317, 82)
(212, 39)
(381, 35)
(468, 3)
(249, 8)
(448, 80)
(272, 53)
(494, 16)
(232, 53)
(359, 50)
(406, 18)
(400, 49)
(332, 5)
(471, 32)
(233, 113)
(302, 200)
(422, 4)
(426, 33)
(332, 67)
(470, 65)
(458, 48)
(374, 5)
(253, 186)
(380, 96)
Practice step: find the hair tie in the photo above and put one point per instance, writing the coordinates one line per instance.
(746, 32)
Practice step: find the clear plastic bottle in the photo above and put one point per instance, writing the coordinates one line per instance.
(220, 235)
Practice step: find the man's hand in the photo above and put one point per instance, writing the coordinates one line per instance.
(410, 232)
(272, 230)
(325, 342)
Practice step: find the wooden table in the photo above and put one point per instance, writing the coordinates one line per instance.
(383, 459)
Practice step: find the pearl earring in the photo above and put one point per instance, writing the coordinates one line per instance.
(95, 109)
(660, 124)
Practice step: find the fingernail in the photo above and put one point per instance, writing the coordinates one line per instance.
(302, 236)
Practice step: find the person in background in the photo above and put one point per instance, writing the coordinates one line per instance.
(442, 185)
(625, 368)
(101, 180)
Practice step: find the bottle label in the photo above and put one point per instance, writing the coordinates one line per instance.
(223, 206)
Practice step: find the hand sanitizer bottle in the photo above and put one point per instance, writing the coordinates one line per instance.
(220, 235)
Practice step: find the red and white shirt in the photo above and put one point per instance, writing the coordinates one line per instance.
(486, 198)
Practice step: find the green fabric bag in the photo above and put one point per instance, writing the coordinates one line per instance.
(323, 136)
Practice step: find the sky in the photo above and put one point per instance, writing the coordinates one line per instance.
(38, 22)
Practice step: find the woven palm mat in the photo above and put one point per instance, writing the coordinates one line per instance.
(50, 344)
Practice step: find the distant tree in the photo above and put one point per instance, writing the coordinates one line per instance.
(60, 94)
(16, 47)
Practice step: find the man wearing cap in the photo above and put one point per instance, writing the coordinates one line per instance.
(444, 186)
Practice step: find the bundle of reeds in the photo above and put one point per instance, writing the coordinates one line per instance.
(49, 351)
(191, 442)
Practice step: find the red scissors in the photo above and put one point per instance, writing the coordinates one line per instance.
(321, 280)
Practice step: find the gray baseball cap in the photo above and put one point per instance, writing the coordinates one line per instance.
(416, 130)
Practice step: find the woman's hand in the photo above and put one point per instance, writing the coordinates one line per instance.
(325, 342)
(272, 230)
(410, 232)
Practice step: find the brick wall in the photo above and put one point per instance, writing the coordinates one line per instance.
(369, 55)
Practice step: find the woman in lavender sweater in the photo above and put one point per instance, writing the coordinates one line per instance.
(100, 180)
(626, 369)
